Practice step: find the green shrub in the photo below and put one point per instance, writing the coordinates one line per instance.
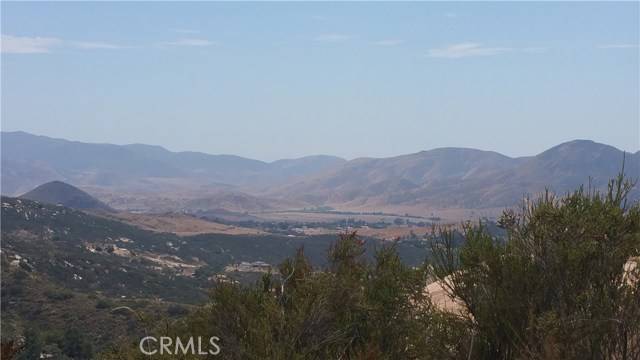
(175, 310)
(557, 287)
(104, 304)
(58, 295)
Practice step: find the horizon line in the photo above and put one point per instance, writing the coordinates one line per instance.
(321, 154)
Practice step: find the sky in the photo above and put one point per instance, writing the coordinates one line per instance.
(284, 80)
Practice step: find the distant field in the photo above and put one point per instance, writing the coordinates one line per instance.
(296, 215)
(182, 225)
(387, 214)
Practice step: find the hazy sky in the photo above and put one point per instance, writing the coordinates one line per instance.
(276, 80)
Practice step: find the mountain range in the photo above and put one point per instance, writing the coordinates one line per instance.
(465, 178)
(29, 160)
(440, 178)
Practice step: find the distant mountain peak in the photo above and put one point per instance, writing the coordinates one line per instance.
(60, 193)
(582, 144)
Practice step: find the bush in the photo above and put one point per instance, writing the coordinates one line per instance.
(76, 345)
(103, 304)
(557, 287)
(177, 310)
(58, 295)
